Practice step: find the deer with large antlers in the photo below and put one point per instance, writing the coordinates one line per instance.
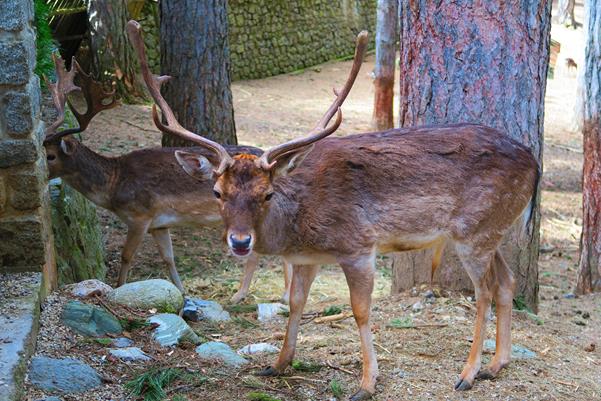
(146, 188)
(340, 200)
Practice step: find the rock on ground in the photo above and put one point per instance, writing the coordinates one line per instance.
(149, 294)
(90, 320)
(62, 375)
(129, 354)
(221, 352)
(172, 330)
(122, 342)
(259, 348)
(517, 351)
(86, 288)
(270, 311)
(196, 309)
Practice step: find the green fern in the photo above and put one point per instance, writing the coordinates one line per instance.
(45, 44)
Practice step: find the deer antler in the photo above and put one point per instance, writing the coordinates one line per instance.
(93, 93)
(173, 127)
(59, 91)
(321, 130)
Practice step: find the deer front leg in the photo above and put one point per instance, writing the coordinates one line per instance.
(360, 278)
(163, 240)
(302, 277)
(135, 234)
(252, 262)
(287, 281)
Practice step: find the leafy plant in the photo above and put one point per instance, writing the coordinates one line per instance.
(249, 308)
(244, 323)
(306, 366)
(103, 341)
(336, 388)
(130, 324)
(519, 303)
(151, 384)
(45, 44)
(401, 323)
(259, 396)
(332, 310)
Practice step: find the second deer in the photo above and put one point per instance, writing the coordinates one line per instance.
(146, 189)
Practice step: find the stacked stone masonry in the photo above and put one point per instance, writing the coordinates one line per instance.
(270, 37)
(25, 232)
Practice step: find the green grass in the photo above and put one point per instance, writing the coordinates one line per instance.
(151, 384)
(131, 324)
(332, 310)
(244, 323)
(259, 396)
(401, 323)
(302, 366)
(249, 308)
(45, 44)
(519, 303)
(336, 389)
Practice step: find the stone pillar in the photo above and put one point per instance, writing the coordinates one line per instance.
(26, 242)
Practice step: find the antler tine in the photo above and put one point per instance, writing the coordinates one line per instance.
(268, 159)
(173, 127)
(59, 91)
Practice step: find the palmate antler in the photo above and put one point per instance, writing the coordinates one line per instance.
(93, 92)
(268, 159)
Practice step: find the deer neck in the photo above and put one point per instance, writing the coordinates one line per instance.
(93, 175)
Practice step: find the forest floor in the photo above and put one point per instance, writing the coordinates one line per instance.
(415, 363)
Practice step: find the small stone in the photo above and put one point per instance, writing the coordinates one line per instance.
(221, 352)
(586, 315)
(259, 348)
(414, 292)
(400, 373)
(90, 320)
(517, 351)
(417, 306)
(172, 330)
(569, 296)
(196, 310)
(65, 376)
(86, 288)
(590, 347)
(122, 342)
(270, 311)
(129, 354)
(148, 294)
(428, 294)
(580, 323)
(52, 398)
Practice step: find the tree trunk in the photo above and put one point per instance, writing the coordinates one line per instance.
(195, 52)
(113, 56)
(386, 36)
(483, 63)
(565, 12)
(589, 272)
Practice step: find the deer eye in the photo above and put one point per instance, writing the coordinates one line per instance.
(269, 196)
(217, 194)
(50, 157)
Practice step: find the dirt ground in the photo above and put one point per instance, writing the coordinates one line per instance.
(420, 364)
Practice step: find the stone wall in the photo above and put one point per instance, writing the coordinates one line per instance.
(26, 242)
(270, 37)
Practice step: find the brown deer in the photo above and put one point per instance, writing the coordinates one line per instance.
(146, 189)
(340, 200)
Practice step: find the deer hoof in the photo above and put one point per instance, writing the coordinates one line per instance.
(237, 298)
(485, 374)
(268, 371)
(462, 385)
(361, 395)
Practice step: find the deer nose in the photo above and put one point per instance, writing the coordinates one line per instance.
(240, 241)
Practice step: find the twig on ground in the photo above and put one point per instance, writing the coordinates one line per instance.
(332, 366)
(137, 126)
(306, 379)
(333, 318)
(382, 347)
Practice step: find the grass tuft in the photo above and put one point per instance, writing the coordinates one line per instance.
(401, 323)
(306, 366)
(259, 396)
(336, 388)
(151, 384)
(332, 310)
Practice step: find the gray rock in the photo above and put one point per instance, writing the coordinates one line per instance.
(52, 398)
(270, 311)
(129, 354)
(172, 330)
(517, 351)
(122, 342)
(62, 375)
(196, 309)
(15, 13)
(16, 60)
(15, 152)
(418, 306)
(90, 320)
(22, 110)
(259, 348)
(220, 352)
(148, 294)
(85, 288)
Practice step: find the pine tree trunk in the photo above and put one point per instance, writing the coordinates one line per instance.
(195, 52)
(565, 12)
(468, 62)
(386, 36)
(589, 272)
(113, 56)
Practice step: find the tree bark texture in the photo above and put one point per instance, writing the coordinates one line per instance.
(112, 54)
(195, 52)
(484, 63)
(565, 12)
(589, 272)
(386, 37)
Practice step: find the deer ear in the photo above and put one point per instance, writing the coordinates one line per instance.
(195, 165)
(67, 146)
(289, 161)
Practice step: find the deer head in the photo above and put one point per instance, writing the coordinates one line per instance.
(243, 184)
(61, 148)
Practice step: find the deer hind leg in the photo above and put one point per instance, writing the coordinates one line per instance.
(477, 264)
(252, 262)
(503, 288)
(287, 281)
(135, 234)
(163, 240)
(360, 279)
(302, 278)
